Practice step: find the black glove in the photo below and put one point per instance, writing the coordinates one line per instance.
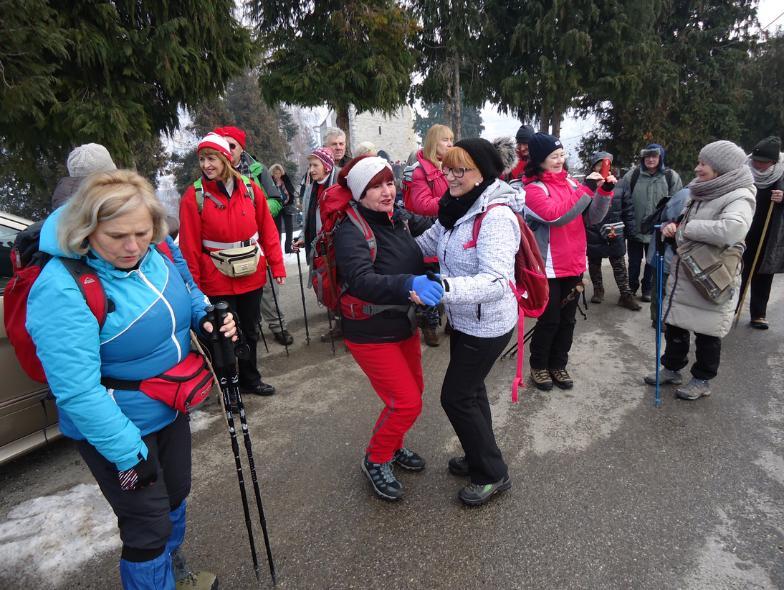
(144, 473)
(608, 187)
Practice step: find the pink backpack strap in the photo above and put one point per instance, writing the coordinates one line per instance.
(517, 382)
(478, 224)
(356, 218)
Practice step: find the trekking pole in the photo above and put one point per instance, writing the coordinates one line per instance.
(659, 302)
(224, 361)
(302, 293)
(277, 307)
(753, 264)
(261, 333)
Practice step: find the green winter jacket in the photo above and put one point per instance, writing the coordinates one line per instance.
(259, 173)
(648, 191)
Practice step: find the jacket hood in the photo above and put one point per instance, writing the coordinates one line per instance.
(498, 192)
(662, 156)
(65, 189)
(47, 241)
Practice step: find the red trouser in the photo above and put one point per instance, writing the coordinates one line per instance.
(395, 372)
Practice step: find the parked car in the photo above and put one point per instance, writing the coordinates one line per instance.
(28, 415)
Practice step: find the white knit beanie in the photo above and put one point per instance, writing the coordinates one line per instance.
(363, 172)
(723, 156)
(89, 158)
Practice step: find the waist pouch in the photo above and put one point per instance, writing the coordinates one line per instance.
(237, 262)
(611, 231)
(183, 387)
(711, 269)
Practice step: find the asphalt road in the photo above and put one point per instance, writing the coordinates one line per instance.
(608, 490)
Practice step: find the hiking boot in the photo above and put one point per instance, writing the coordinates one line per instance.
(459, 466)
(408, 459)
(598, 295)
(694, 389)
(628, 302)
(666, 377)
(184, 578)
(476, 494)
(542, 379)
(646, 296)
(383, 480)
(562, 378)
(431, 337)
(759, 323)
(259, 388)
(284, 338)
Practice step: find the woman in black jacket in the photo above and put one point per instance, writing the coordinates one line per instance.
(378, 318)
(286, 217)
(606, 240)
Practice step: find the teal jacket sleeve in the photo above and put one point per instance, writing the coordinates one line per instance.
(199, 300)
(58, 314)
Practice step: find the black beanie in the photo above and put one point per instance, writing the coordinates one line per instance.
(542, 145)
(767, 150)
(524, 134)
(487, 158)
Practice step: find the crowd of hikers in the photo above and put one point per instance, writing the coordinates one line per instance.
(436, 243)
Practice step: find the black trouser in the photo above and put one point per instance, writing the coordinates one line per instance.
(552, 338)
(464, 399)
(287, 221)
(143, 515)
(760, 286)
(708, 352)
(618, 264)
(248, 309)
(637, 255)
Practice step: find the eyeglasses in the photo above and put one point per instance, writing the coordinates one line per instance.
(456, 172)
(232, 145)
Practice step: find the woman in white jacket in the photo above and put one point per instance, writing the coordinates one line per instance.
(718, 213)
(479, 303)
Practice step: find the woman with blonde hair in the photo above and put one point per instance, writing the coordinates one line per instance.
(228, 236)
(423, 182)
(99, 365)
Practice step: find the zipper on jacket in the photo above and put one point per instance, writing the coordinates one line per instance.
(169, 307)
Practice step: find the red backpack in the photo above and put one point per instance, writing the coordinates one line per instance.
(336, 204)
(530, 286)
(28, 262)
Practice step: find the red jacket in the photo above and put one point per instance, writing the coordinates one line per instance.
(557, 217)
(426, 187)
(238, 221)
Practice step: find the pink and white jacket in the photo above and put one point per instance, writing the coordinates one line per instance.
(554, 205)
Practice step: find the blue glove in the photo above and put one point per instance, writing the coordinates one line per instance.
(430, 292)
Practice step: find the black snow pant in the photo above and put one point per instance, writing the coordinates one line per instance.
(552, 338)
(708, 352)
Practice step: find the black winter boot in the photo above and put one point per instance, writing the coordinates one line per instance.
(598, 294)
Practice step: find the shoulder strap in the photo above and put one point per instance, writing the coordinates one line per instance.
(199, 188)
(542, 186)
(90, 287)
(164, 249)
(249, 187)
(478, 225)
(359, 222)
(633, 180)
(668, 174)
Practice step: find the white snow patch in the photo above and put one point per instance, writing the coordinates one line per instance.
(201, 420)
(54, 535)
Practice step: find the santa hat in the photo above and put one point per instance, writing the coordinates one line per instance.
(215, 142)
(235, 133)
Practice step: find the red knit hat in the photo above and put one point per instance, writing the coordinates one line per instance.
(324, 154)
(217, 143)
(234, 132)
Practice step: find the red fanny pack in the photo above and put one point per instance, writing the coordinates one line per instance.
(183, 387)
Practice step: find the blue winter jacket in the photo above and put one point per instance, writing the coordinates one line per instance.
(145, 334)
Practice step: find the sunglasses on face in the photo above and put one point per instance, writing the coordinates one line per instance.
(233, 146)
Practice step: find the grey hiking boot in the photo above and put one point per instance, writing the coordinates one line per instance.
(665, 377)
(185, 579)
(627, 300)
(694, 389)
(475, 494)
(383, 480)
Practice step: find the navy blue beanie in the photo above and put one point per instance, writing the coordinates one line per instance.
(542, 145)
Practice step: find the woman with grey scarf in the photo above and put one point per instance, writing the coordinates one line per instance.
(766, 163)
(718, 213)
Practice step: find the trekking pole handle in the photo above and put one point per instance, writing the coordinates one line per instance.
(433, 277)
(213, 337)
(226, 345)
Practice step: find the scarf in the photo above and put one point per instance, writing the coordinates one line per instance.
(450, 208)
(721, 185)
(769, 177)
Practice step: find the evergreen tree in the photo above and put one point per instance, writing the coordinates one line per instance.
(113, 73)
(763, 79)
(471, 120)
(339, 53)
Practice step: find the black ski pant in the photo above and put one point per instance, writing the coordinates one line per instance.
(143, 515)
(676, 352)
(247, 307)
(464, 399)
(637, 256)
(552, 337)
(760, 286)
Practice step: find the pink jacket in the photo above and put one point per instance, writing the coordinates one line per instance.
(554, 210)
(423, 186)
